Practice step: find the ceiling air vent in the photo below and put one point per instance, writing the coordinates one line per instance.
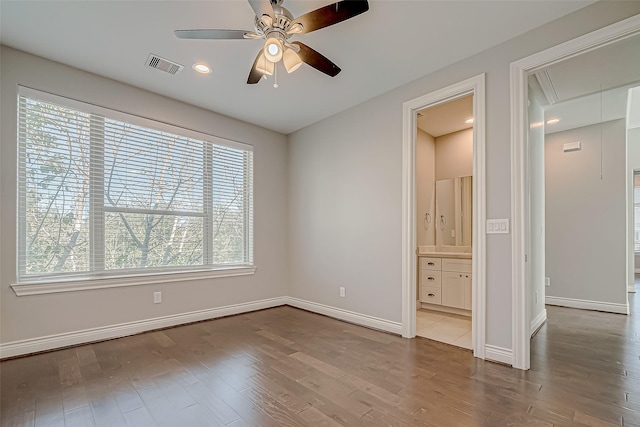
(154, 61)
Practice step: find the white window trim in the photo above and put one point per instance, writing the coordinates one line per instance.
(70, 283)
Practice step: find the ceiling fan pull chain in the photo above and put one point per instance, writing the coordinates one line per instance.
(275, 76)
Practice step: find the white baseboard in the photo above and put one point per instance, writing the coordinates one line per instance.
(609, 307)
(538, 322)
(498, 354)
(346, 315)
(50, 342)
(631, 288)
(34, 345)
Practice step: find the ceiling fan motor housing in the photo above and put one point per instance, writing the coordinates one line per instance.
(265, 25)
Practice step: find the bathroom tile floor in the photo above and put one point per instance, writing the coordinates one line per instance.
(444, 327)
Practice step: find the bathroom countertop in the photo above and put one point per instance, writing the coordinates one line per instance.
(457, 255)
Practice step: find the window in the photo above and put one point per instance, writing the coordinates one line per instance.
(103, 193)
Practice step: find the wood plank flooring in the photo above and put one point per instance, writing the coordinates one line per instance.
(287, 367)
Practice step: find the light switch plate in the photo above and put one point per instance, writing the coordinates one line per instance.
(497, 226)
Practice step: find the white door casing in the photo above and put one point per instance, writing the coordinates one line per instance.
(520, 71)
(475, 86)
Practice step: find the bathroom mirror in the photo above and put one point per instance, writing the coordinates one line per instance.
(453, 212)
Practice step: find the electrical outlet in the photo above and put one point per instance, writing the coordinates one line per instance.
(157, 297)
(547, 281)
(343, 292)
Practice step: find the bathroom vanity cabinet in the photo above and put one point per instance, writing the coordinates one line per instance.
(445, 282)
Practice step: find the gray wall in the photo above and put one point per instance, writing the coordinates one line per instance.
(41, 315)
(586, 250)
(334, 194)
(345, 184)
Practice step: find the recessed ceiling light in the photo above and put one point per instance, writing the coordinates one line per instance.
(201, 67)
(469, 121)
(552, 121)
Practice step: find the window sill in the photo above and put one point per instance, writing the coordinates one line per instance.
(83, 284)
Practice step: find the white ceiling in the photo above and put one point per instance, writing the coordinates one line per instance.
(592, 87)
(609, 67)
(447, 118)
(393, 43)
(588, 110)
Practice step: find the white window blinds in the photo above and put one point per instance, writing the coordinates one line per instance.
(102, 193)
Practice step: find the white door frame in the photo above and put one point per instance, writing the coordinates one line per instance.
(519, 170)
(475, 86)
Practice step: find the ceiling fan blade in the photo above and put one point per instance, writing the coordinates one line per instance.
(214, 34)
(254, 74)
(331, 14)
(317, 60)
(261, 7)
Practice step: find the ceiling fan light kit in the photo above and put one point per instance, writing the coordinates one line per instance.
(264, 66)
(273, 48)
(291, 60)
(276, 25)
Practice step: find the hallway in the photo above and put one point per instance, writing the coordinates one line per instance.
(589, 367)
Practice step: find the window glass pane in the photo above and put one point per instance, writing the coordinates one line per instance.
(146, 240)
(98, 194)
(148, 168)
(55, 155)
(229, 205)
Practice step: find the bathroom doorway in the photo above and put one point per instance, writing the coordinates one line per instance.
(440, 245)
(444, 190)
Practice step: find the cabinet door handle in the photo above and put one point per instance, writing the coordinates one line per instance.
(431, 278)
(461, 275)
(431, 263)
(431, 295)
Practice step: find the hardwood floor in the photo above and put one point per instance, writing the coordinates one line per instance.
(287, 367)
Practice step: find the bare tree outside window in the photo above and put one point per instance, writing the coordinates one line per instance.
(99, 194)
(56, 191)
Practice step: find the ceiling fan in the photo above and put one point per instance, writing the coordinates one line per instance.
(276, 25)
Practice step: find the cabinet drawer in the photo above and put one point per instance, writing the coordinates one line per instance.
(430, 295)
(427, 263)
(430, 278)
(459, 265)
